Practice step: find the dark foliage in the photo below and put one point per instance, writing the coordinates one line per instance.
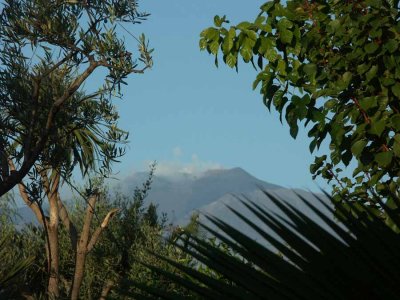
(354, 257)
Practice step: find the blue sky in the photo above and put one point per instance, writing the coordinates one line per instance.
(188, 115)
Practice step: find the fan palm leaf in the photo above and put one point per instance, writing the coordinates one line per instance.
(354, 257)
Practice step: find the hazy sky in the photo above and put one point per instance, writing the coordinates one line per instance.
(188, 115)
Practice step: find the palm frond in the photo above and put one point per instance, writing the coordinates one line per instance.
(356, 256)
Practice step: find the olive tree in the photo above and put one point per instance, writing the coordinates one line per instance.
(49, 123)
(48, 50)
(333, 65)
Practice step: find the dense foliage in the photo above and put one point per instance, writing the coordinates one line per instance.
(334, 65)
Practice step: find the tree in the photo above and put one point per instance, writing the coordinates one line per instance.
(356, 259)
(49, 124)
(90, 140)
(334, 65)
(48, 51)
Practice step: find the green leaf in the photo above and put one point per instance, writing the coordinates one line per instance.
(203, 44)
(396, 145)
(310, 69)
(361, 69)
(246, 53)
(312, 146)
(384, 158)
(396, 90)
(334, 24)
(271, 55)
(284, 23)
(281, 67)
(265, 27)
(395, 121)
(387, 81)
(267, 6)
(347, 77)
(214, 46)
(231, 60)
(286, 36)
(294, 129)
(368, 103)
(392, 45)
(330, 103)
(229, 41)
(377, 127)
(218, 21)
(358, 147)
(371, 73)
(244, 25)
(211, 34)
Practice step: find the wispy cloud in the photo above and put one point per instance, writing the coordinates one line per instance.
(178, 165)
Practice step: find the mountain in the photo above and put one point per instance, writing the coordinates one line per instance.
(182, 194)
(212, 192)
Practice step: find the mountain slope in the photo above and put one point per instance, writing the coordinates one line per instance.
(182, 194)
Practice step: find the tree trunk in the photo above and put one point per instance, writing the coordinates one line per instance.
(86, 244)
(82, 249)
(79, 272)
(51, 189)
(53, 261)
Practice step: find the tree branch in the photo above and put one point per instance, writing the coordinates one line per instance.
(69, 225)
(87, 222)
(24, 195)
(101, 228)
(106, 289)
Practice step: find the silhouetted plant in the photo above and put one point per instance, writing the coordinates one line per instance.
(355, 258)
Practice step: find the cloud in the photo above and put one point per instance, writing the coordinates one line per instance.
(178, 166)
(177, 152)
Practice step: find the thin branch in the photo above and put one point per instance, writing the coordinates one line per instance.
(363, 112)
(55, 66)
(107, 65)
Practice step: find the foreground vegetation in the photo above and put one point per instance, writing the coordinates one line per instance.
(135, 230)
(140, 257)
